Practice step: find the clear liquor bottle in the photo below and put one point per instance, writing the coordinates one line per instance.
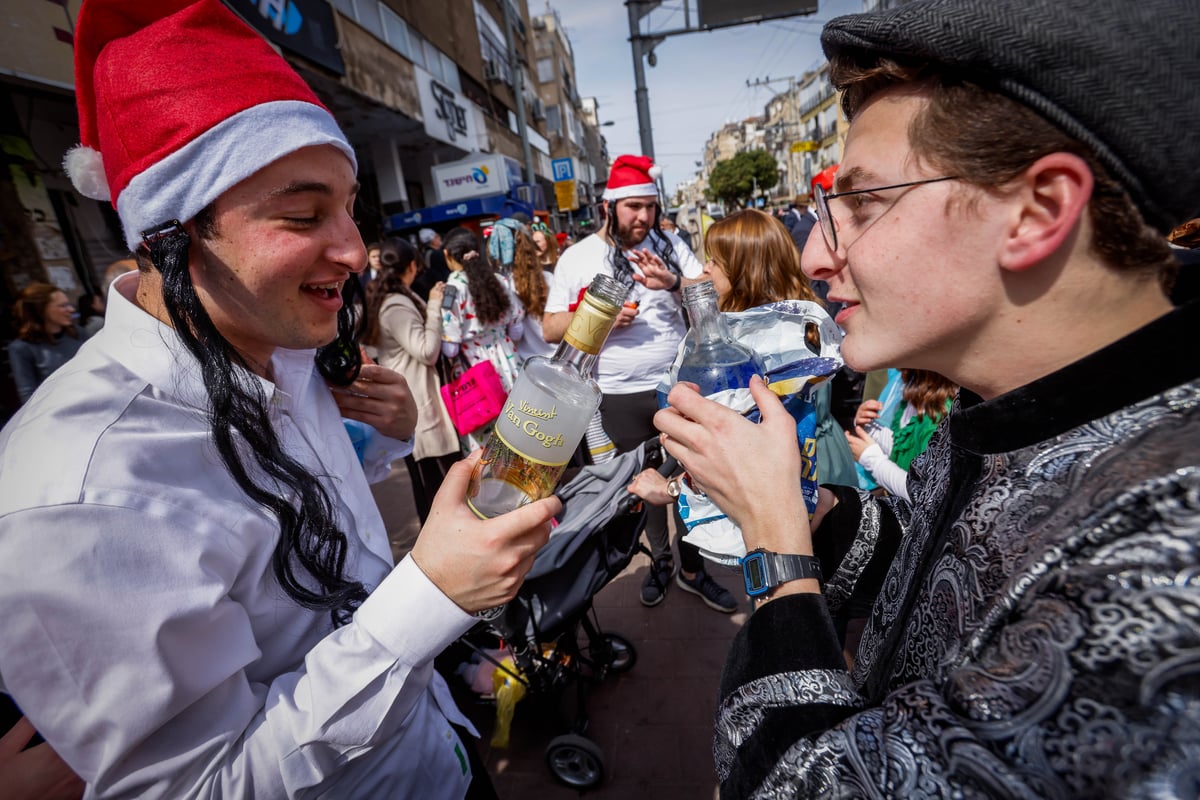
(547, 411)
(713, 359)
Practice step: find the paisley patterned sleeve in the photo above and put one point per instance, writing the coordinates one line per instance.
(1082, 680)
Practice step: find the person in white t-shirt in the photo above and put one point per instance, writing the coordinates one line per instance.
(632, 247)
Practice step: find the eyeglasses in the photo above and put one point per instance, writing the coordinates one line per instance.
(825, 218)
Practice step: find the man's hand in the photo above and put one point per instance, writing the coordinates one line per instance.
(651, 487)
(479, 563)
(752, 472)
(626, 315)
(379, 397)
(655, 274)
(37, 773)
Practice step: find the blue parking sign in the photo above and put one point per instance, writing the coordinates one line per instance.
(563, 169)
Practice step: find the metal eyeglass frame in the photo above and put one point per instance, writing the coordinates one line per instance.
(825, 216)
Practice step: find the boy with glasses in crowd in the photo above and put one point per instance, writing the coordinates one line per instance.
(999, 218)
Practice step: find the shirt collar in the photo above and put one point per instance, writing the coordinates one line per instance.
(153, 351)
(1145, 363)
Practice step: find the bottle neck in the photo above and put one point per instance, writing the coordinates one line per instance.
(706, 320)
(572, 356)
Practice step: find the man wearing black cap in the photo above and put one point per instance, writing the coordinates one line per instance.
(999, 217)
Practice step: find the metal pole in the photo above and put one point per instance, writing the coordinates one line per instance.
(519, 91)
(639, 79)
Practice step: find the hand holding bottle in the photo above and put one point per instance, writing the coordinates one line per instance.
(751, 471)
(477, 563)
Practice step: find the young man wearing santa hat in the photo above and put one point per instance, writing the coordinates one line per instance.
(198, 588)
(642, 344)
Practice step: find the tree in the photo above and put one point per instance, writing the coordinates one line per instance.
(735, 180)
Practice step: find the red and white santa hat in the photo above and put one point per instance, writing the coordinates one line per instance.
(179, 100)
(632, 176)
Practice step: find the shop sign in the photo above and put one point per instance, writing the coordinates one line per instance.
(449, 116)
(305, 27)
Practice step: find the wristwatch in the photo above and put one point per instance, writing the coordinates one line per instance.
(764, 570)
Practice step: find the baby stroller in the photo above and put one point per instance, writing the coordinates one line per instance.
(550, 627)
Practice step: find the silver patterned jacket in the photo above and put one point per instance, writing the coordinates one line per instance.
(1035, 630)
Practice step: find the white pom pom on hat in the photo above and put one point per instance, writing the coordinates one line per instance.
(632, 176)
(85, 167)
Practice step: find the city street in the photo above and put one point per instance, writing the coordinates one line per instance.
(653, 723)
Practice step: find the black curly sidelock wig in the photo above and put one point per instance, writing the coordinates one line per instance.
(310, 540)
(659, 243)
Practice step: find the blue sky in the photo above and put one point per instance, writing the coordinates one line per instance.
(699, 83)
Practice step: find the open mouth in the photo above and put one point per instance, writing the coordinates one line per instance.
(325, 291)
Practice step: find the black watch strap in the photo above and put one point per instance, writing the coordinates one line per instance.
(794, 568)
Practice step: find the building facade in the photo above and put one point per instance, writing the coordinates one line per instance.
(572, 122)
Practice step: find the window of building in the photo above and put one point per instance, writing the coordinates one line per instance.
(545, 70)
(553, 119)
(396, 32)
(492, 42)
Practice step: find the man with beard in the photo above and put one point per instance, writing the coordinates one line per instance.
(643, 342)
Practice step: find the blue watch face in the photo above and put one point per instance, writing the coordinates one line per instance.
(754, 572)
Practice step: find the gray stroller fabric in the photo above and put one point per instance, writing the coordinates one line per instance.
(590, 499)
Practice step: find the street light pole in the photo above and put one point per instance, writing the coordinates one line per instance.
(641, 46)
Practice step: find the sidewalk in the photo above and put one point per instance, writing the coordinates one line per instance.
(653, 723)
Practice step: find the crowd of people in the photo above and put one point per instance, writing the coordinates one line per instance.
(995, 595)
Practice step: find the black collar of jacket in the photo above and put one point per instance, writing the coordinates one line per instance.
(1148, 361)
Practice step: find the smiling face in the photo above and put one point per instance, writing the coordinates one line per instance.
(916, 267)
(284, 243)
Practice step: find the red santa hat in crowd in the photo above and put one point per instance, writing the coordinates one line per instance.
(179, 101)
(632, 176)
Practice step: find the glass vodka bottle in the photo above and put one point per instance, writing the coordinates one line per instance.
(713, 359)
(547, 412)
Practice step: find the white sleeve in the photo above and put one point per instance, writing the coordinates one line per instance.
(886, 472)
(131, 648)
(569, 278)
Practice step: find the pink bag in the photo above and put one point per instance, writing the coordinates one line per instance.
(474, 398)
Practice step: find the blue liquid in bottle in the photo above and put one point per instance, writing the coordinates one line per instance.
(713, 359)
(714, 372)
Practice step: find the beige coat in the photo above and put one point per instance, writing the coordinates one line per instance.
(410, 345)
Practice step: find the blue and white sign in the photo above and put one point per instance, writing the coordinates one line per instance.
(563, 169)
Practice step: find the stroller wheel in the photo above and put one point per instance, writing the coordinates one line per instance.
(575, 761)
(617, 652)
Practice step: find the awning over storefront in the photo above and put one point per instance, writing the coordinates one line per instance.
(497, 206)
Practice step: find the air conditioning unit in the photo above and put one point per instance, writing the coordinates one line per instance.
(491, 70)
(539, 109)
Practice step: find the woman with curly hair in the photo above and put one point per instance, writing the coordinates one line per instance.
(547, 246)
(46, 336)
(531, 283)
(407, 336)
(486, 319)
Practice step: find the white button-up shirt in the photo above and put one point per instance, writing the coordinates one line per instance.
(144, 633)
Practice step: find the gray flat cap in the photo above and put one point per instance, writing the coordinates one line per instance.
(1122, 77)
